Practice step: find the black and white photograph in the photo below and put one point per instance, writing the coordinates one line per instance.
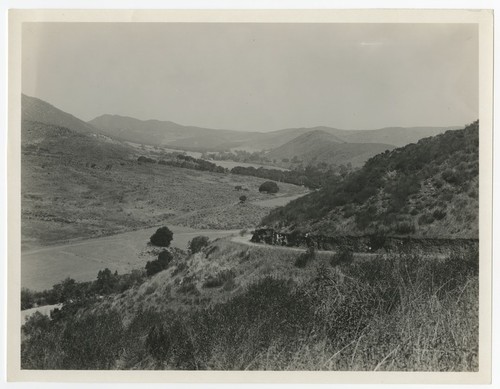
(253, 195)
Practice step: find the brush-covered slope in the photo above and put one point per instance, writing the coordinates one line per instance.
(424, 189)
(321, 147)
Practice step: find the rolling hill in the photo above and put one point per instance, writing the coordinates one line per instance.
(158, 132)
(318, 146)
(36, 110)
(167, 133)
(425, 189)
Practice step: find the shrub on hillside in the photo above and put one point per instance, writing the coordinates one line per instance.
(162, 237)
(304, 258)
(146, 159)
(269, 187)
(343, 256)
(197, 243)
(156, 266)
(451, 176)
(243, 199)
(404, 227)
(107, 281)
(439, 214)
(426, 218)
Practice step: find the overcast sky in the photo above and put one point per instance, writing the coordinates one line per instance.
(257, 76)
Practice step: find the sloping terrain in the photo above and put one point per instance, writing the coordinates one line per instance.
(77, 185)
(397, 136)
(158, 132)
(318, 146)
(234, 307)
(424, 189)
(36, 110)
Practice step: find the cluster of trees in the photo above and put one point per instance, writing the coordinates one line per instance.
(185, 161)
(312, 177)
(239, 156)
(70, 291)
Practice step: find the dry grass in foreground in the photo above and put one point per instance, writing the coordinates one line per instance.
(401, 313)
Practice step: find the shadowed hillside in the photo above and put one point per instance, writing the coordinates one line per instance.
(428, 189)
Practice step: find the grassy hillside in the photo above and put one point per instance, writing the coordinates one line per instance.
(64, 197)
(425, 189)
(237, 307)
(37, 110)
(157, 132)
(318, 147)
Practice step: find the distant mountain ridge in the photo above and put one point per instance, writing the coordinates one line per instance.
(318, 146)
(175, 135)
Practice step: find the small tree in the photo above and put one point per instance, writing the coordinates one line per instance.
(165, 258)
(243, 199)
(197, 243)
(269, 187)
(153, 267)
(162, 237)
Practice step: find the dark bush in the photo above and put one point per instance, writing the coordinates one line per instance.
(146, 159)
(426, 218)
(451, 176)
(343, 256)
(107, 282)
(243, 199)
(162, 237)
(304, 258)
(165, 257)
(197, 243)
(405, 227)
(439, 214)
(153, 267)
(269, 187)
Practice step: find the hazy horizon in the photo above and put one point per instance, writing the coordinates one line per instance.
(257, 77)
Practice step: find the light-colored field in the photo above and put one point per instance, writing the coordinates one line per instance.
(81, 260)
